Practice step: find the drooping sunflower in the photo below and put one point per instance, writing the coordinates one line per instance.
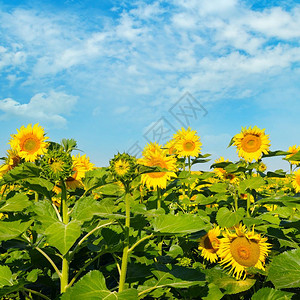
(296, 181)
(80, 165)
(187, 142)
(293, 150)
(220, 171)
(242, 249)
(123, 166)
(158, 158)
(29, 142)
(11, 161)
(209, 244)
(251, 143)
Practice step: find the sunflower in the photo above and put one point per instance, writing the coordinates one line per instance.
(209, 244)
(11, 161)
(56, 165)
(251, 143)
(170, 146)
(157, 158)
(220, 171)
(293, 150)
(29, 142)
(187, 142)
(123, 166)
(80, 165)
(242, 249)
(296, 181)
(151, 147)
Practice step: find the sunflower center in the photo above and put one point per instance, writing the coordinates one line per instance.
(251, 143)
(189, 146)
(211, 244)
(245, 252)
(158, 163)
(121, 167)
(30, 145)
(298, 180)
(57, 166)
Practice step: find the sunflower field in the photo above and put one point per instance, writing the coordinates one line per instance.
(150, 227)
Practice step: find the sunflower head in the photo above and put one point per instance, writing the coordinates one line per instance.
(123, 166)
(158, 158)
(296, 181)
(242, 249)
(11, 161)
(251, 143)
(170, 147)
(29, 142)
(81, 164)
(293, 150)
(209, 244)
(56, 165)
(187, 142)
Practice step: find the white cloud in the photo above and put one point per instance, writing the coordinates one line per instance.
(42, 107)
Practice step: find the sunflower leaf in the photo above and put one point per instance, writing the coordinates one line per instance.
(284, 270)
(226, 218)
(270, 294)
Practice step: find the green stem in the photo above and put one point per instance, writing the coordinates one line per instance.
(65, 218)
(50, 261)
(140, 241)
(36, 293)
(84, 267)
(248, 204)
(235, 196)
(36, 197)
(126, 248)
(158, 197)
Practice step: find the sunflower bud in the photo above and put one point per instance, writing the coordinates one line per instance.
(123, 166)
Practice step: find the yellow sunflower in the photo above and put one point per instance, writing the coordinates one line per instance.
(242, 249)
(251, 143)
(296, 181)
(187, 142)
(29, 142)
(81, 164)
(220, 171)
(170, 146)
(209, 244)
(158, 158)
(293, 150)
(12, 160)
(151, 147)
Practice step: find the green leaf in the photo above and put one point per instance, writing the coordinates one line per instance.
(284, 270)
(227, 218)
(5, 276)
(219, 187)
(94, 178)
(251, 183)
(23, 171)
(33, 275)
(111, 189)
(39, 185)
(16, 203)
(275, 153)
(45, 213)
(183, 224)
(228, 283)
(63, 236)
(214, 293)
(92, 286)
(295, 157)
(271, 294)
(11, 230)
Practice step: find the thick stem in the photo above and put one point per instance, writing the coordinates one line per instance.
(126, 243)
(65, 218)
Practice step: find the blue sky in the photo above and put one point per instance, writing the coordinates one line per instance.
(107, 73)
